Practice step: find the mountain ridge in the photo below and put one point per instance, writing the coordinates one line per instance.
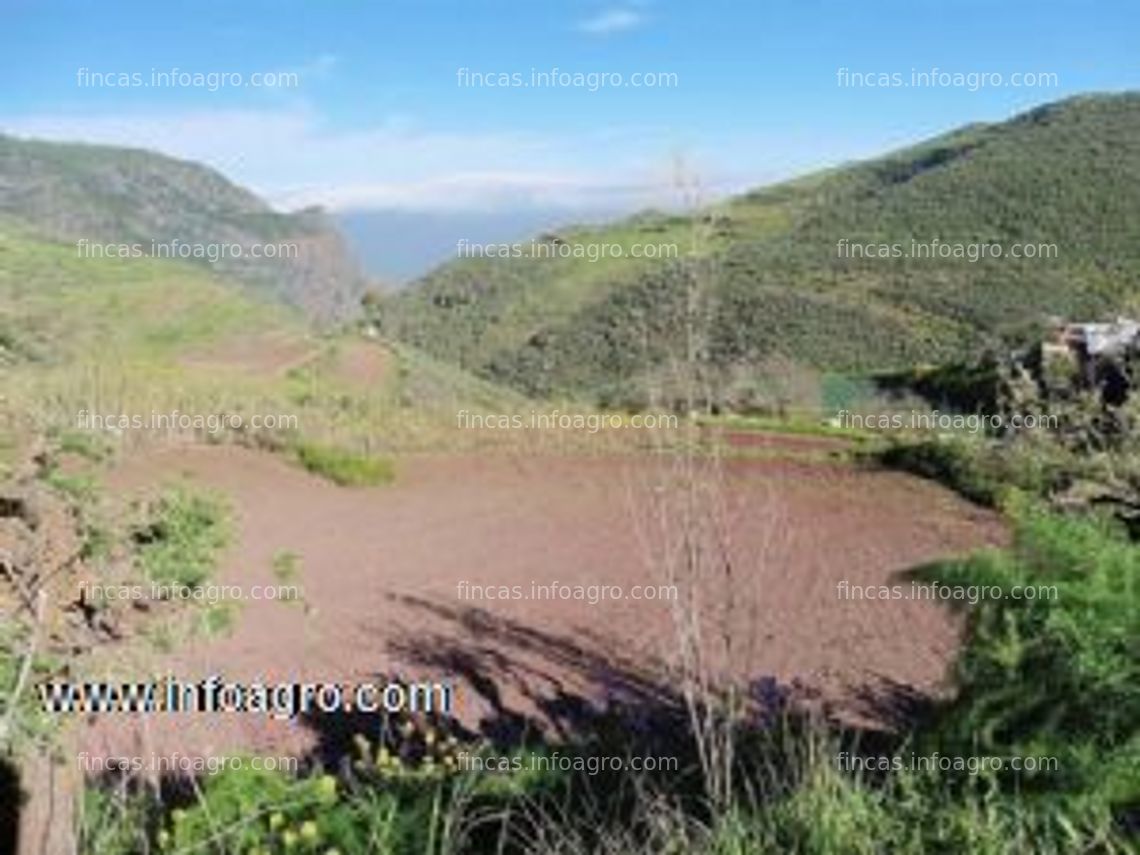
(775, 283)
(73, 191)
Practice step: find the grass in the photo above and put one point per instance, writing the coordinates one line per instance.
(81, 487)
(346, 468)
(217, 619)
(287, 570)
(121, 196)
(23, 721)
(1055, 676)
(793, 425)
(87, 446)
(986, 471)
(179, 538)
(138, 337)
(286, 566)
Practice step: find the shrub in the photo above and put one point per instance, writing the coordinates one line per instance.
(1055, 676)
(983, 470)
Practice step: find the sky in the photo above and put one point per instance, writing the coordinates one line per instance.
(385, 104)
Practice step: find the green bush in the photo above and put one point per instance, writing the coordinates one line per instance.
(982, 470)
(1055, 675)
(956, 463)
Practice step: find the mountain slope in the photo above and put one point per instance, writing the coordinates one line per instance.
(145, 336)
(765, 275)
(105, 195)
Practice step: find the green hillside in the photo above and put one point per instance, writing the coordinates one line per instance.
(764, 276)
(105, 195)
(140, 336)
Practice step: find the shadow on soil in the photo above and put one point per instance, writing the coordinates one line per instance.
(583, 698)
(511, 668)
(579, 697)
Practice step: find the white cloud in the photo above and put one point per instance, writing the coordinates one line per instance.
(611, 21)
(486, 191)
(288, 157)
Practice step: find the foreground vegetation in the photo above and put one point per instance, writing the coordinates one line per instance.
(1054, 679)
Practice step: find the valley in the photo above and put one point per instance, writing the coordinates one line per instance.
(247, 470)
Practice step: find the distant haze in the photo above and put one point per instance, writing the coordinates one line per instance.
(397, 246)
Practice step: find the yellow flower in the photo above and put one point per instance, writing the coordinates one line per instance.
(309, 831)
(289, 838)
(276, 821)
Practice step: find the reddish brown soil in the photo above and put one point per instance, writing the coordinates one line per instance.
(380, 568)
(362, 363)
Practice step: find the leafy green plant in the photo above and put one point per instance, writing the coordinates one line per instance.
(180, 536)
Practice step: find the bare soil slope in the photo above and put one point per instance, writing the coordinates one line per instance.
(380, 570)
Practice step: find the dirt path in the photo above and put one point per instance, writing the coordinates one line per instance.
(380, 570)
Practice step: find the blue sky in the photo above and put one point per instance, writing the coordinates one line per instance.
(378, 118)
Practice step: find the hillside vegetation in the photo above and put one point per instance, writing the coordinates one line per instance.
(106, 195)
(138, 336)
(763, 277)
